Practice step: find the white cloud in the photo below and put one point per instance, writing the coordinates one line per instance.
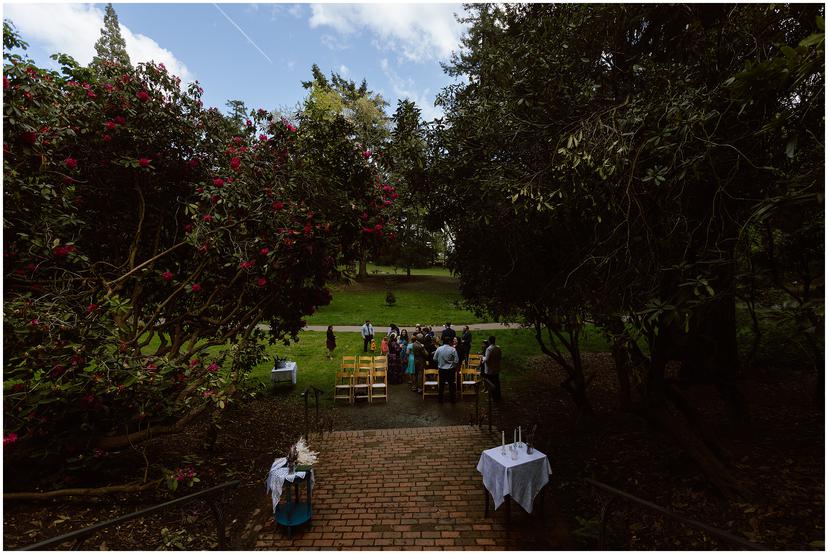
(419, 32)
(405, 88)
(73, 29)
(334, 43)
(343, 70)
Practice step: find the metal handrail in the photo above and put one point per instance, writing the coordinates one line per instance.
(81, 534)
(316, 393)
(730, 537)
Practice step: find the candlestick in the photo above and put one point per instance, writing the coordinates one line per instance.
(520, 434)
(503, 438)
(514, 436)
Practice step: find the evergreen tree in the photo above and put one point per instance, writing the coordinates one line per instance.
(111, 46)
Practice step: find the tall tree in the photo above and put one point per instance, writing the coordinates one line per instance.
(111, 46)
(613, 147)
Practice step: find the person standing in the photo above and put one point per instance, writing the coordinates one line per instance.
(483, 353)
(465, 344)
(447, 360)
(409, 368)
(448, 334)
(330, 342)
(394, 367)
(420, 358)
(367, 335)
(492, 359)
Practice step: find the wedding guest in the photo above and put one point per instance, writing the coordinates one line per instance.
(492, 360)
(394, 367)
(448, 334)
(330, 341)
(420, 359)
(409, 368)
(465, 345)
(384, 346)
(367, 332)
(447, 360)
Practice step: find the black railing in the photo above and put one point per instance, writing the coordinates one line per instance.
(210, 495)
(616, 494)
(487, 386)
(316, 393)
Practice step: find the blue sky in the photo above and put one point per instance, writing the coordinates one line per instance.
(260, 53)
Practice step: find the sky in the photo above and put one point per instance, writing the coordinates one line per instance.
(260, 53)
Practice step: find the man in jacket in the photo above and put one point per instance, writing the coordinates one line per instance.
(447, 363)
(367, 335)
(448, 334)
(465, 344)
(492, 360)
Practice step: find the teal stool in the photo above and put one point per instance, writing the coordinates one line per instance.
(294, 511)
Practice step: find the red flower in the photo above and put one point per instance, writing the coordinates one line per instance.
(110, 125)
(278, 205)
(247, 265)
(143, 96)
(70, 163)
(261, 282)
(119, 119)
(219, 182)
(213, 367)
(248, 123)
(188, 228)
(199, 189)
(109, 87)
(264, 251)
(207, 217)
(378, 227)
(167, 275)
(366, 154)
(91, 94)
(11, 438)
(263, 138)
(144, 162)
(91, 308)
(63, 251)
(151, 367)
(235, 163)
(387, 202)
(367, 230)
(395, 196)
(196, 288)
(230, 179)
(193, 163)
(106, 138)
(30, 137)
(125, 78)
(215, 198)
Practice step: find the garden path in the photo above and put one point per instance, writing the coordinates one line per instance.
(408, 489)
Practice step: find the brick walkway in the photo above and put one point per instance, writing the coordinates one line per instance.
(409, 489)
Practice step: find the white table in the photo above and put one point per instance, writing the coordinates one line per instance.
(287, 373)
(521, 479)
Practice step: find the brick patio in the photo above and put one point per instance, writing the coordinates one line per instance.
(409, 489)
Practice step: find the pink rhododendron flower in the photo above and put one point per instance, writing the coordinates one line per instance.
(219, 182)
(278, 205)
(143, 96)
(207, 217)
(213, 367)
(167, 275)
(195, 287)
(247, 265)
(261, 282)
(106, 138)
(366, 154)
(120, 120)
(70, 163)
(264, 251)
(235, 163)
(11, 438)
(110, 125)
(144, 162)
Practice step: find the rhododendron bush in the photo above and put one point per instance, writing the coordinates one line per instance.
(139, 233)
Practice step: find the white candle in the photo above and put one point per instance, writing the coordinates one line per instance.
(514, 436)
(520, 434)
(503, 438)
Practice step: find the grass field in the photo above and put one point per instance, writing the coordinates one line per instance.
(315, 369)
(429, 297)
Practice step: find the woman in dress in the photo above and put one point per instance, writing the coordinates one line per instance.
(409, 369)
(330, 342)
(394, 367)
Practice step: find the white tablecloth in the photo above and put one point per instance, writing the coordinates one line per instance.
(287, 373)
(522, 479)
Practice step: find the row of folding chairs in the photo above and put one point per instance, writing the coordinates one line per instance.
(362, 377)
(467, 378)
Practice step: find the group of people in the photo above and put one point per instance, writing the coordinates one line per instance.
(409, 355)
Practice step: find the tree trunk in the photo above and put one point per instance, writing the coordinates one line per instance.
(363, 264)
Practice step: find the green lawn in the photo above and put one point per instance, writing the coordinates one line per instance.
(388, 270)
(429, 298)
(315, 368)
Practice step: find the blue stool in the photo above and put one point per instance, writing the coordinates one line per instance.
(294, 511)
